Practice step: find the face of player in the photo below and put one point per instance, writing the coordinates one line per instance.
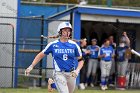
(66, 32)
(84, 43)
(94, 42)
(111, 39)
(107, 43)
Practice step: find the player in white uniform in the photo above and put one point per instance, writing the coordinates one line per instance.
(64, 52)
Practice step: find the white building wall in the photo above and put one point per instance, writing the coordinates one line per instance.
(8, 8)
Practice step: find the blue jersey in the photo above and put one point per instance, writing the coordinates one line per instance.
(121, 53)
(108, 51)
(64, 54)
(94, 52)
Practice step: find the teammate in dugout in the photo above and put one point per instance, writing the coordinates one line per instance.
(92, 62)
(112, 72)
(106, 54)
(64, 52)
(123, 54)
(85, 52)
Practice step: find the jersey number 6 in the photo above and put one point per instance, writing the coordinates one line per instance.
(65, 57)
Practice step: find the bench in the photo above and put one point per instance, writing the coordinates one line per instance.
(35, 77)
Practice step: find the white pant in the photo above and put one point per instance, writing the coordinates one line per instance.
(122, 67)
(64, 82)
(105, 68)
(92, 66)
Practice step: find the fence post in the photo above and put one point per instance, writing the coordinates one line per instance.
(41, 47)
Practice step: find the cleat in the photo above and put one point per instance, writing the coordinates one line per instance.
(92, 85)
(103, 87)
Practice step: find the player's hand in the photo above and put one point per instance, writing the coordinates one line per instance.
(97, 49)
(88, 52)
(50, 81)
(104, 55)
(28, 70)
(74, 73)
(124, 33)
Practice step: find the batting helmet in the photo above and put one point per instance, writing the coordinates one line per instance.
(64, 25)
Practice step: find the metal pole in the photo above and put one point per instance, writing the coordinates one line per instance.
(13, 54)
(41, 47)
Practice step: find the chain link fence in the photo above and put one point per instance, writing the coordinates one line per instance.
(19, 44)
(6, 54)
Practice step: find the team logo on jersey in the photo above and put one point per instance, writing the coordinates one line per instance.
(55, 46)
(67, 24)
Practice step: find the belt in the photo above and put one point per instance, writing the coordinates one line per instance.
(67, 70)
(94, 58)
(106, 60)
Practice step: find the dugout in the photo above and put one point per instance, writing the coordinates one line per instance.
(98, 22)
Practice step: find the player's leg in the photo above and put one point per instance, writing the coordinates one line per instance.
(94, 69)
(83, 72)
(121, 83)
(124, 68)
(89, 69)
(61, 82)
(103, 74)
(108, 70)
(112, 74)
(119, 68)
(71, 82)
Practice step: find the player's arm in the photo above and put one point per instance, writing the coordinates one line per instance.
(113, 53)
(101, 54)
(80, 61)
(37, 59)
(79, 67)
(127, 39)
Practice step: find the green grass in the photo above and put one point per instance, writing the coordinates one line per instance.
(77, 91)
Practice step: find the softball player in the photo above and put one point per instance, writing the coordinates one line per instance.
(92, 62)
(106, 54)
(123, 55)
(85, 52)
(112, 72)
(64, 53)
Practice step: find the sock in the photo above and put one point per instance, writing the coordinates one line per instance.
(107, 79)
(103, 80)
(53, 85)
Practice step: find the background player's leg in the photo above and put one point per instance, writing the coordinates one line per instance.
(119, 68)
(90, 63)
(71, 81)
(94, 69)
(124, 68)
(108, 69)
(112, 74)
(103, 72)
(61, 82)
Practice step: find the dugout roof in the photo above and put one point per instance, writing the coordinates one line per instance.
(93, 13)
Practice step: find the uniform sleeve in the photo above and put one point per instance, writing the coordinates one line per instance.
(48, 49)
(78, 52)
(88, 47)
(100, 52)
